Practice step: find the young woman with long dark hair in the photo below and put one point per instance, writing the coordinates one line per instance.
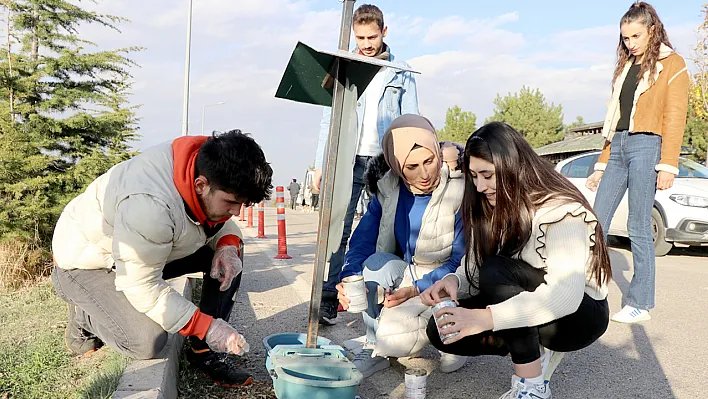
(536, 266)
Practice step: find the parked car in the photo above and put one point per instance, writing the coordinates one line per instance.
(680, 214)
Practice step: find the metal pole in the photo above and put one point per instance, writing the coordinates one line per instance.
(327, 191)
(185, 105)
(204, 110)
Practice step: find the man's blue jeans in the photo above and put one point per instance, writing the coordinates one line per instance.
(337, 260)
(633, 158)
(384, 270)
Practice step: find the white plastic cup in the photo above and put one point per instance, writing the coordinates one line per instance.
(415, 381)
(441, 330)
(355, 288)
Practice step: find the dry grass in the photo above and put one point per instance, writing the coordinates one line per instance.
(21, 262)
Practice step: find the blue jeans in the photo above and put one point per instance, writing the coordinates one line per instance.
(336, 262)
(385, 270)
(633, 158)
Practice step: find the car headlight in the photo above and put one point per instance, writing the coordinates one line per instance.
(690, 200)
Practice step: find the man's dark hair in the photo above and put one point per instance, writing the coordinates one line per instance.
(233, 162)
(368, 13)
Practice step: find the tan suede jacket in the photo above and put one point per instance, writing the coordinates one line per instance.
(659, 108)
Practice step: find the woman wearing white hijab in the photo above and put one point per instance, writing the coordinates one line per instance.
(409, 238)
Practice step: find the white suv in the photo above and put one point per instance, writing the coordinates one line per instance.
(680, 214)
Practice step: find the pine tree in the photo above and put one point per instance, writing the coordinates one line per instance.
(64, 117)
(459, 125)
(529, 113)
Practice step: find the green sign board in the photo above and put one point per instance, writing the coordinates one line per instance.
(308, 78)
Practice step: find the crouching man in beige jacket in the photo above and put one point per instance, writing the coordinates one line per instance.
(162, 214)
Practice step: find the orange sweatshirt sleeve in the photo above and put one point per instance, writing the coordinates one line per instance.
(230, 239)
(198, 325)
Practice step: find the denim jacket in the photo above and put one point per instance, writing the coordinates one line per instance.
(399, 97)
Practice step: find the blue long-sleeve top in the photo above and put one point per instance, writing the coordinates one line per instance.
(407, 223)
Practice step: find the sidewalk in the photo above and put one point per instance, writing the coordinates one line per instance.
(663, 358)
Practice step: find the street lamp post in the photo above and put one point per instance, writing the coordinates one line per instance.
(204, 110)
(185, 105)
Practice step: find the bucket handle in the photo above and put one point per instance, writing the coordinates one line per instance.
(312, 354)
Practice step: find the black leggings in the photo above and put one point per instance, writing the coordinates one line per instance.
(501, 278)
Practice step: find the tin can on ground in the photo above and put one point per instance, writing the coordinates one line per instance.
(415, 383)
(436, 308)
(356, 292)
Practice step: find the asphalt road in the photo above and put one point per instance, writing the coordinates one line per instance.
(661, 358)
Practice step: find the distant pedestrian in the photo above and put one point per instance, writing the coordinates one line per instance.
(294, 189)
(315, 192)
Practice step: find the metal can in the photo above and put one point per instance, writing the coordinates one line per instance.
(415, 383)
(356, 293)
(441, 330)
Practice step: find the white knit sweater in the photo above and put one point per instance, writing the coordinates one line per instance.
(560, 243)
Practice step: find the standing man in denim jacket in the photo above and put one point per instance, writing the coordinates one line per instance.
(390, 94)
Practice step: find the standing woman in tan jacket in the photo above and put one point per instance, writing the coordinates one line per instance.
(644, 130)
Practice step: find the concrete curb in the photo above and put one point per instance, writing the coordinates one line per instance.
(156, 378)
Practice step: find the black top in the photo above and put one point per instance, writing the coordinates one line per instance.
(627, 97)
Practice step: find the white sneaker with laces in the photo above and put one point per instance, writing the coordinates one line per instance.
(630, 314)
(368, 365)
(521, 388)
(450, 362)
(549, 361)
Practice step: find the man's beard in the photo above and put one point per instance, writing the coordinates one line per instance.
(203, 200)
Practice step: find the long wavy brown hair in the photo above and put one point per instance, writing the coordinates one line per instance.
(524, 182)
(645, 14)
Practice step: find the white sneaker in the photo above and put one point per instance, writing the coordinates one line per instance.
(368, 365)
(549, 361)
(523, 389)
(536, 391)
(450, 362)
(630, 314)
(354, 345)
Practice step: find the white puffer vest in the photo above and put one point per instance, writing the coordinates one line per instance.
(93, 234)
(401, 330)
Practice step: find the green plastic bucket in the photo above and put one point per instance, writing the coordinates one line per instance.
(312, 373)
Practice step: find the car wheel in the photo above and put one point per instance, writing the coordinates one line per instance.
(658, 233)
